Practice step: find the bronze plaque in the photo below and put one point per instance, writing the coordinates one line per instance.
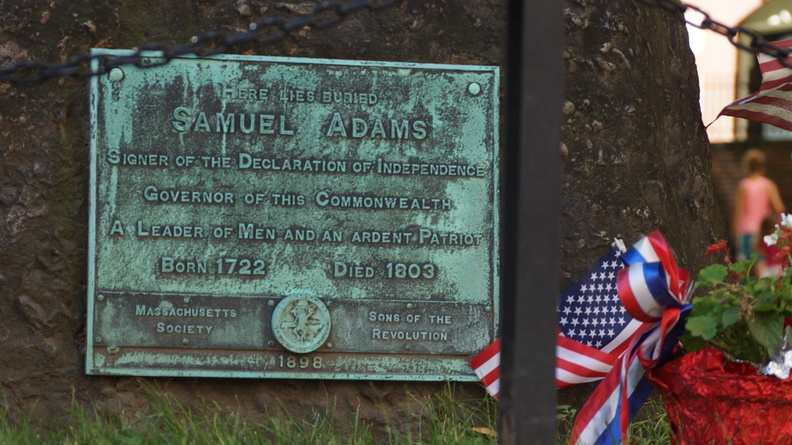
(292, 218)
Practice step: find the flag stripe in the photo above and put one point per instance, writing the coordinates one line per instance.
(773, 70)
(645, 249)
(778, 99)
(767, 105)
(775, 92)
(599, 419)
(568, 373)
(595, 421)
(662, 293)
(487, 367)
(777, 80)
(644, 291)
(567, 344)
(486, 354)
(584, 365)
(765, 59)
(667, 260)
(763, 117)
(577, 363)
(762, 113)
(628, 298)
(613, 433)
(491, 377)
(622, 341)
(494, 388)
(565, 377)
(738, 102)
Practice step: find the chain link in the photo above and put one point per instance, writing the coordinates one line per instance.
(266, 31)
(324, 14)
(758, 44)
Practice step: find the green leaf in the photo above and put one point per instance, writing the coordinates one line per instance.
(712, 274)
(706, 304)
(692, 343)
(785, 296)
(744, 267)
(764, 285)
(766, 302)
(704, 326)
(739, 344)
(730, 316)
(766, 328)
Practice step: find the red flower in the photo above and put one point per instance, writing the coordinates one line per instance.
(717, 247)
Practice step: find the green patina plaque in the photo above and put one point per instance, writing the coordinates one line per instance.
(292, 218)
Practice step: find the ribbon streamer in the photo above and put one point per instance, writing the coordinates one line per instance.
(652, 289)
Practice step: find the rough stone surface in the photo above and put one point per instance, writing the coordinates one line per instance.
(634, 150)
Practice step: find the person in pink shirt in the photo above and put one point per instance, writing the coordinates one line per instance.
(757, 198)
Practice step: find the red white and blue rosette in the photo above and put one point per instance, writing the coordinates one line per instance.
(654, 290)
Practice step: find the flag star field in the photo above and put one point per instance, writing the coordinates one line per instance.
(590, 311)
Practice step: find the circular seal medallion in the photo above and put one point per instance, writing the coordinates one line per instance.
(301, 323)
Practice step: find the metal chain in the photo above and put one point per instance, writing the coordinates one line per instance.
(267, 31)
(702, 20)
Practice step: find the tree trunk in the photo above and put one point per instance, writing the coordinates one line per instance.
(634, 150)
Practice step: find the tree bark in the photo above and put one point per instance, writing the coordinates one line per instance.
(635, 158)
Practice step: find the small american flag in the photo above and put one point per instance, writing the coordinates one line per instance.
(772, 104)
(653, 289)
(486, 364)
(593, 329)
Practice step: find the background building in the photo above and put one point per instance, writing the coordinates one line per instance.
(726, 74)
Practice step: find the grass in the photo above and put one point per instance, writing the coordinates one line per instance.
(441, 419)
(650, 426)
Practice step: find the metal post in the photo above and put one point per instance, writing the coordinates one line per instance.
(534, 89)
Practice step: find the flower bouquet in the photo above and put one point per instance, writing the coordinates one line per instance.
(732, 383)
